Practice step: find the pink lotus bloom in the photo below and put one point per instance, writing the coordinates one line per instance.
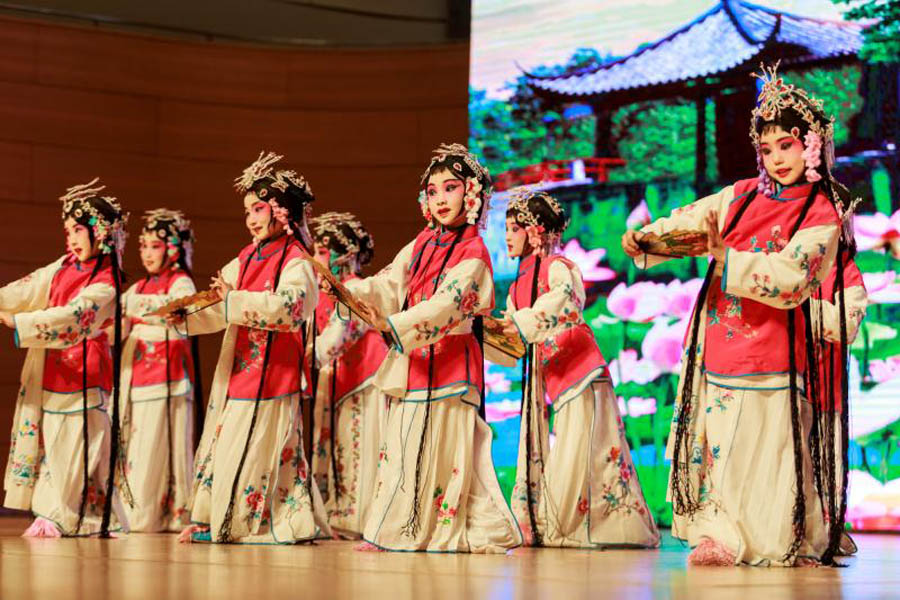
(884, 370)
(871, 504)
(641, 302)
(588, 261)
(882, 288)
(638, 407)
(639, 217)
(681, 297)
(878, 232)
(663, 345)
(500, 411)
(627, 368)
(496, 382)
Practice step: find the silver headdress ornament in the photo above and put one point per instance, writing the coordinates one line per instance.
(174, 229)
(260, 169)
(777, 96)
(330, 224)
(478, 187)
(539, 236)
(287, 178)
(110, 234)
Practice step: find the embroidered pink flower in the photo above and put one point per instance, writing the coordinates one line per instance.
(86, 318)
(583, 506)
(613, 454)
(468, 302)
(286, 455)
(257, 336)
(588, 261)
(297, 310)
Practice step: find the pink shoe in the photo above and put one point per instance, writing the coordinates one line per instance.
(710, 553)
(42, 528)
(187, 534)
(367, 547)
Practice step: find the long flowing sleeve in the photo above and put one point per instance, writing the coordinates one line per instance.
(212, 318)
(64, 326)
(284, 309)
(466, 291)
(29, 293)
(786, 278)
(340, 333)
(558, 309)
(691, 217)
(386, 289)
(138, 305)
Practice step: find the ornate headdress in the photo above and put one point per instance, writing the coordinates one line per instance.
(777, 96)
(171, 227)
(287, 193)
(464, 165)
(83, 203)
(351, 235)
(542, 234)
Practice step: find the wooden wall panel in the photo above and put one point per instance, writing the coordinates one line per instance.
(171, 123)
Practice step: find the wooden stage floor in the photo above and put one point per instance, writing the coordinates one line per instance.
(157, 567)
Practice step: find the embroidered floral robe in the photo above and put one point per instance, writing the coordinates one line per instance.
(60, 311)
(349, 355)
(461, 508)
(741, 415)
(157, 421)
(584, 491)
(275, 501)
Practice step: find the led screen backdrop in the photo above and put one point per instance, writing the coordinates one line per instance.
(625, 158)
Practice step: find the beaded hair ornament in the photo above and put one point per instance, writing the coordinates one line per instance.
(330, 225)
(777, 96)
(818, 143)
(477, 188)
(539, 236)
(110, 234)
(262, 171)
(174, 229)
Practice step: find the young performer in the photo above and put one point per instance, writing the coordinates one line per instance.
(584, 492)
(251, 482)
(60, 451)
(743, 480)
(157, 377)
(351, 411)
(436, 489)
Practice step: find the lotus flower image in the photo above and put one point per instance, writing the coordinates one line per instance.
(627, 367)
(663, 345)
(588, 261)
(882, 288)
(878, 232)
(641, 302)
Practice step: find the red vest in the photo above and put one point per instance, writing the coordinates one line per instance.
(569, 356)
(258, 267)
(457, 358)
(357, 363)
(743, 336)
(149, 367)
(63, 368)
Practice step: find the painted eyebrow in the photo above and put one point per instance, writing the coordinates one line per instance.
(451, 178)
(779, 140)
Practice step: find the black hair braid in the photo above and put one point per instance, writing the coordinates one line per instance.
(527, 411)
(314, 382)
(411, 528)
(815, 394)
(225, 530)
(115, 441)
(197, 396)
(335, 474)
(684, 503)
(478, 332)
(170, 491)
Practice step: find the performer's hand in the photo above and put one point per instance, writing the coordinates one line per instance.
(374, 316)
(7, 319)
(176, 318)
(509, 328)
(630, 243)
(714, 244)
(325, 287)
(220, 286)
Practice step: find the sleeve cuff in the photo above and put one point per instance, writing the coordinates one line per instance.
(227, 320)
(396, 337)
(512, 317)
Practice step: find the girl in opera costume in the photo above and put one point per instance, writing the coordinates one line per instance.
(251, 482)
(351, 412)
(436, 489)
(62, 438)
(584, 492)
(751, 435)
(157, 379)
